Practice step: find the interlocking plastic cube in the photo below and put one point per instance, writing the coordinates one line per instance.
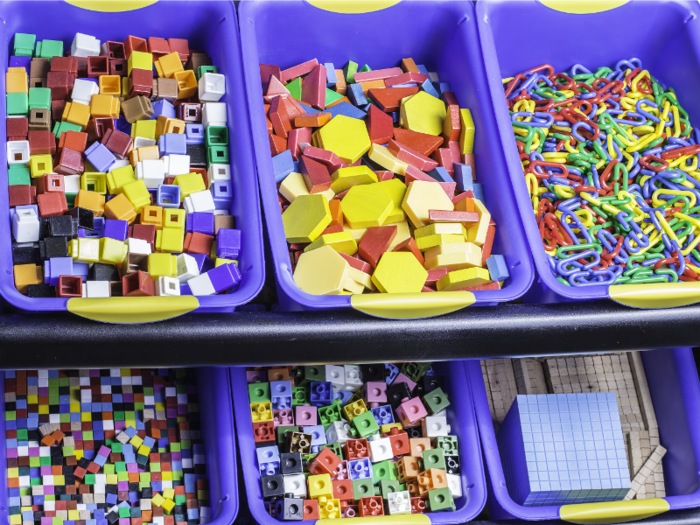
(257, 392)
(306, 415)
(371, 506)
(560, 449)
(383, 415)
(300, 395)
(360, 469)
(325, 463)
(317, 433)
(391, 372)
(384, 470)
(353, 410)
(411, 411)
(399, 502)
(365, 424)
(268, 460)
(338, 432)
(281, 394)
(283, 417)
(321, 393)
(375, 392)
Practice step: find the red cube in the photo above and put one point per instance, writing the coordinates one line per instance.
(97, 66)
(180, 46)
(117, 142)
(138, 284)
(40, 142)
(71, 286)
(140, 82)
(53, 203)
(60, 83)
(17, 128)
(21, 194)
(158, 47)
(70, 162)
(50, 183)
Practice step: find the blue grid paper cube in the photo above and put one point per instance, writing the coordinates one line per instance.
(560, 449)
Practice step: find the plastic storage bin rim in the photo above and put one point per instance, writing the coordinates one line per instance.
(268, 189)
(464, 415)
(225, 510)
(688, 384)
(253, 278)
(545, 279)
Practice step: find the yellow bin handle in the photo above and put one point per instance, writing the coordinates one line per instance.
(660, 295)
(613, 511)
(353, 7)
(401, 519)
(132, 310)
(583, 7)
(411, 305)
(111, 6)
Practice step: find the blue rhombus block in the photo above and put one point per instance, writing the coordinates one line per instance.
(559, 449)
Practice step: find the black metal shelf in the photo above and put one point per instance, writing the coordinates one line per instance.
(66, 341)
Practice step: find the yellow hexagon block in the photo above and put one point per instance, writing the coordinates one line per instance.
(477, 232)
(461, 279)
(346, 178)
(459, 247)
(293, 186)
(346, 137)
(341, 242)
(441, 228)
(306, 218)
(421, 197)
(431, 241)
(399, 272)
(367, 205)
(386, 159)
(453, 257)
(396, 190)
(423, 113)
(321, 272)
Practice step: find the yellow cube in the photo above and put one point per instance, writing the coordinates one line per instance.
(220, 261)
(168, 506)
(174, 218)
(138, 194)
(140, 60)
(169, 493)
(91, 200)
(120, 209)
(117, 179)
(190, 183)
(144, 450)
(112, 251)
(168, 65)
(174, 125)
(26, 274)
(73, 515)
(144, 153)
(170, 240)
(104, 106)
(144, 128)
(92, 181)
(110, 85)
(79, 114)
(186, 84)
(40, 165)
(88, 250)
(320, 486)
(152, 215)
(125, 88)
(162, 265)
(16, 80)
(136, 442)
(157, 500)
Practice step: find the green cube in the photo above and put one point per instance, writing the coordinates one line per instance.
(24, 44)
(294, 88)
(120, 466)
(389, 485)
(22, 434)
(117, 447)
(44, 461)
(87, 435)
(259, 392)
(384, 470)
(434, 458)
(207, 69)
(217, 155)
(68, 451)
(307, 374)
(59, 128)
(17, 104)
(415, 371)
(282, 434)
(300, 396)
(365, 424)
(349, 71)
(108, 469)
(329, 415)
(436, 401)
(89, 479)
(216, 136)
(180, 500)
(124, 512)
(174, 447)
(449, 444)
(440, 499)
(363, 488)
(49, 49)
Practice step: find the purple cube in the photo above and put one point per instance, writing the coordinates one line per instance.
(55, 267)
(200, 222)
(203, 262)
(222, 193)
(117, 230)
(194, 133)
(97, 232)
(224, 277)
(168, 196)
(163, 108)
(100, 157)
(228, 243)
(172, 144)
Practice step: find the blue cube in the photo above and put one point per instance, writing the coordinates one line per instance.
(560, 449)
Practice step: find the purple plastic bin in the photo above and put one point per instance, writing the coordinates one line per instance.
(460, 415)
(675, 391)
(664, 35)
(442, 35)
(216, 418)
(210, 26)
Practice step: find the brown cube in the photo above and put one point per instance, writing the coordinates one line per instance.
(197, 59)
(118, 66)
(224, 221)
(39, 67)
(137, 108)
(167, 88)
(134, 263)
(138, 284)
(115, 288)
(39, 119)
(97, 66)
(70, 286)
(97, 128)
(37, 82)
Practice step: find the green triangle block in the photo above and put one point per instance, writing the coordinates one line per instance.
(332, 96)
(294, 88)
(364, 69)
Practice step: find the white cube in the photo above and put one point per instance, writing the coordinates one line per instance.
(138, 246)
(177, 165)
(214, 114)
(95, 289)
(187, 268)
(353, 379)
(201, 201)
(219, 172)
(143, 142)
(202, 285)
(83, 90)
(152, 172)
(71, 183)
(18, 152)
(338, 432)
(435, 426)
(399, 502)
(454, 483)
(25, 225)
(336, 376)
(295, 484)
(167, 286)
(85, 46)
(380, 450)
(119, 163)
(212, 86)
